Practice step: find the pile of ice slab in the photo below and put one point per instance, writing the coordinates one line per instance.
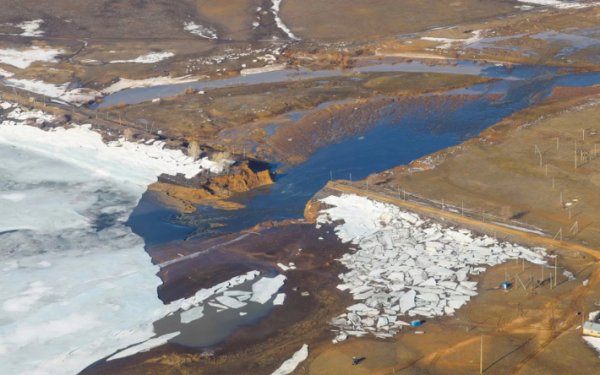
(406, 266)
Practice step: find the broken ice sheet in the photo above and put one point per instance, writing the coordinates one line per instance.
(404, 265)
(192, 314)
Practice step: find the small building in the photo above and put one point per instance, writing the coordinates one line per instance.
(591, 329)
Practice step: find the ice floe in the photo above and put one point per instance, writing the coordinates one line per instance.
(406, 266)
(202, 31)
(150, 58)
(192, 314)
(290, 365)
(77, 284)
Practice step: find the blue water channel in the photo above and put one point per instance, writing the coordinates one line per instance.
(387, 144)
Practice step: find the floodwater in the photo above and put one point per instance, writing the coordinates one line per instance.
(385, 145)
(392, 141)
(216, 325)
(138, 95)
(153, 222)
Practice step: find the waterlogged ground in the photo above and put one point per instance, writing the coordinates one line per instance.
(403, 132)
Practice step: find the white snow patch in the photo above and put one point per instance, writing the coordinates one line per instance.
(23, 58)
(275, 10)
(448, 43)
(561, 4)
(204, 32)
(150, 58)
(31, 28)
(125, 83)
(4, 73)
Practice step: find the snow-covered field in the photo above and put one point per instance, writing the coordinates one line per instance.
(405, 267)
(77, 284)
(23, 58)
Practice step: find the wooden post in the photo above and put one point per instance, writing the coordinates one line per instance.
(557, 141)
(583, 134)
(462, 208)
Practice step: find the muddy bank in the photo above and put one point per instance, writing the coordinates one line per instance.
(212, 189)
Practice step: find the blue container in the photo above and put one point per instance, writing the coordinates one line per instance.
(505, 285)
(416, 323)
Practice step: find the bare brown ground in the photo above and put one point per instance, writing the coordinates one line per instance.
(341, 20)
(524, 332)
(518, 48)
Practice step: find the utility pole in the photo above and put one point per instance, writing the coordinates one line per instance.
(555, 268)
(481, 357)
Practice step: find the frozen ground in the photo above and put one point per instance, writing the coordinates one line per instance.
(406, 268)
(77, 284)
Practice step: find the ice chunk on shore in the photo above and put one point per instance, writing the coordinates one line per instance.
(263, 289)
(407, 301)
(279, 299)
(290, 365)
